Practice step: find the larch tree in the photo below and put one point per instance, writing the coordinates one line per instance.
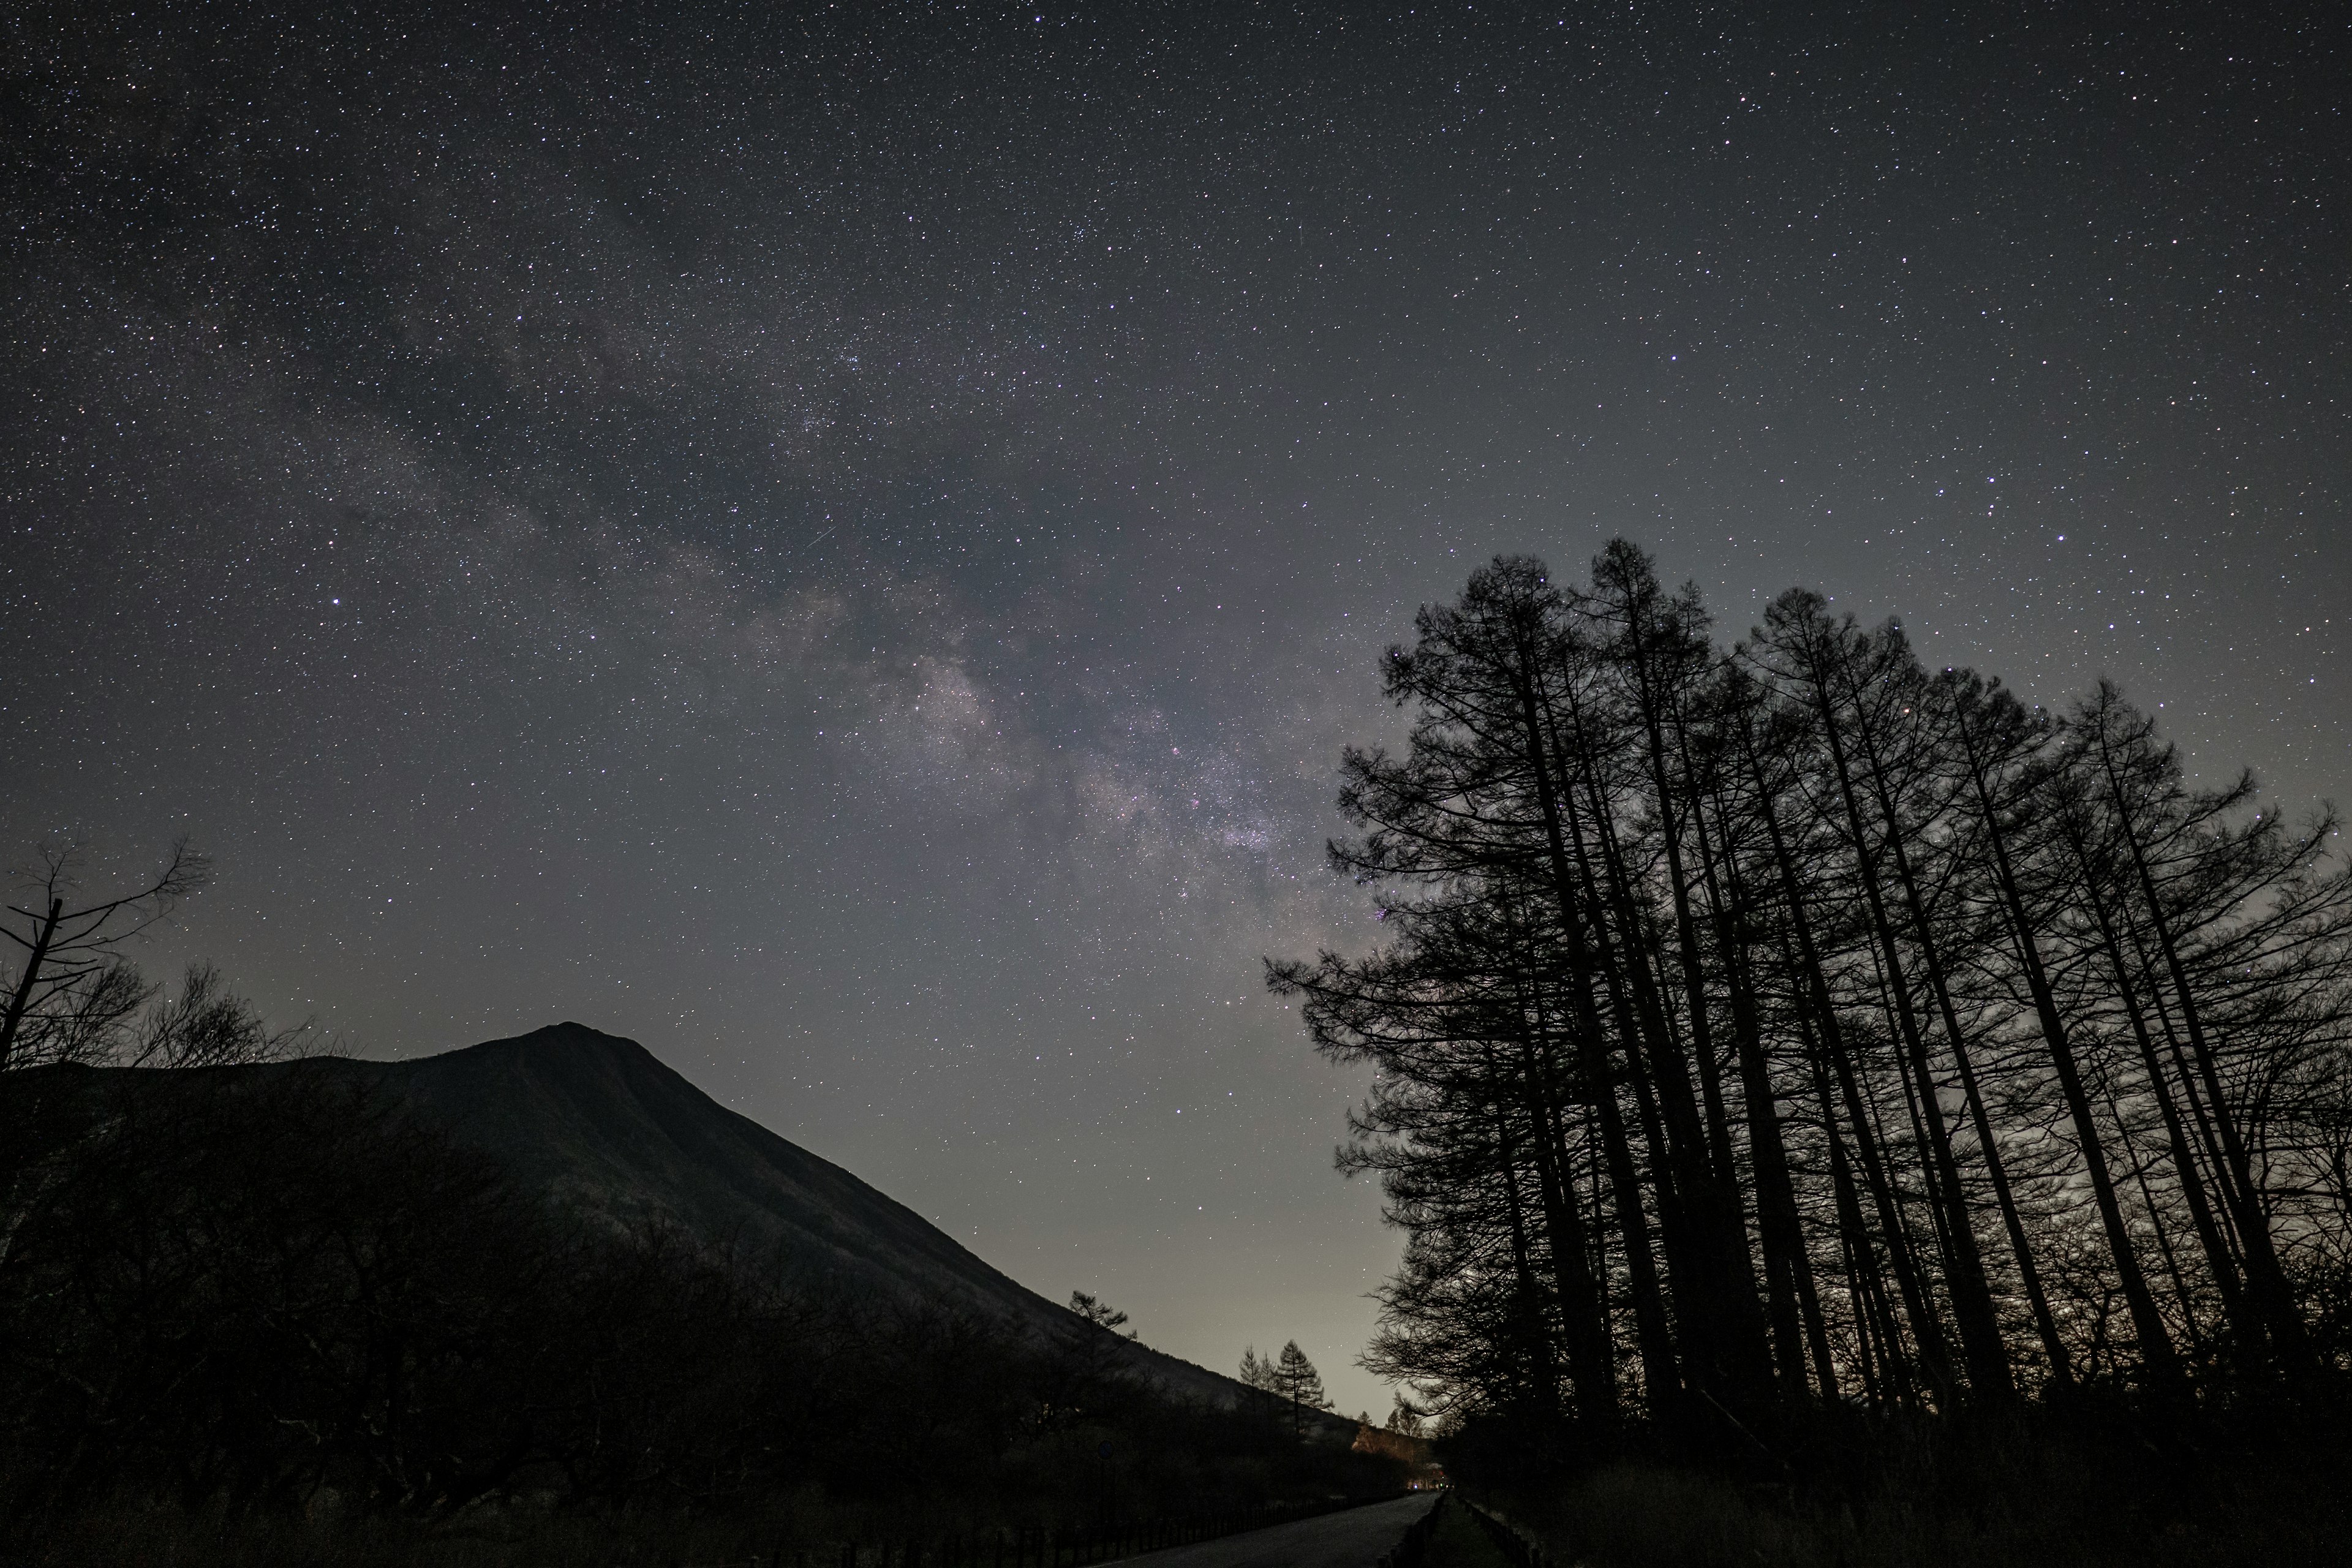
(1779, 1024)
(1299, 1384)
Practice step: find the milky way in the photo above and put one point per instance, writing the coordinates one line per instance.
(845, 546)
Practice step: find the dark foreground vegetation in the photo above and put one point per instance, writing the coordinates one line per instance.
(252, 1316)
(1837, 1112)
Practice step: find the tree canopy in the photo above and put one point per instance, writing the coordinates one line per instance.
(1781, 1024)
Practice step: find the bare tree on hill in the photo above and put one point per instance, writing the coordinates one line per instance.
(71, 994)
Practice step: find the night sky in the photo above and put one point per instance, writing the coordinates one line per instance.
(844, 543)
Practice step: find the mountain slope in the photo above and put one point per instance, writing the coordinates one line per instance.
(601, 1129)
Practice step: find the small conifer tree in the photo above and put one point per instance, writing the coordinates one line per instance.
(1296, 1381)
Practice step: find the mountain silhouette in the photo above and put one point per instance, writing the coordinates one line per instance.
(601, 1130)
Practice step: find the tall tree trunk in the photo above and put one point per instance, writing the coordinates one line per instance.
(1935, 1356)
(2148, 1324)
(1687, 953)
(1809, 1301)
(1595, 1378)
(1691, 1204)
(2155, 1212)
(2045, 1324)
(1938, 1216)
(1778, 1225)
(1972, 1308)
(1528, 1311)
(1582, 1304)
(20, 1001)
(2219, 1262)
(1651, 1325)
(1861, 1257)
(2265, 1278)
(2216, 1167)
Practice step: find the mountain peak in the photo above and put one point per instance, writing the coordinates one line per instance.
(565, 1058)
(568, 1036)
(598, 1126)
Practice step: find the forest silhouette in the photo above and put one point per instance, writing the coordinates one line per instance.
(1784, 1049)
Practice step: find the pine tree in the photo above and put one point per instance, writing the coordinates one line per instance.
(1099, 1313)
(1296, 1381)
(1257, 1375)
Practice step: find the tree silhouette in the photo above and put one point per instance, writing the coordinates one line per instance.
(1294, 1379)
(1779, 1024)
(71, 992)
(1098, 1312)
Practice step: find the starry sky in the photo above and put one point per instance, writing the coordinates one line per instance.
(843, 542)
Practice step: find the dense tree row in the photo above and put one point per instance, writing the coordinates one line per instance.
(1791, 1024)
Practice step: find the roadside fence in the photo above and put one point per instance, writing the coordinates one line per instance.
(1517, 1549)
(1413, 1550)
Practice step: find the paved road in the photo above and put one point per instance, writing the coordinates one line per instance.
(1354, 1538)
